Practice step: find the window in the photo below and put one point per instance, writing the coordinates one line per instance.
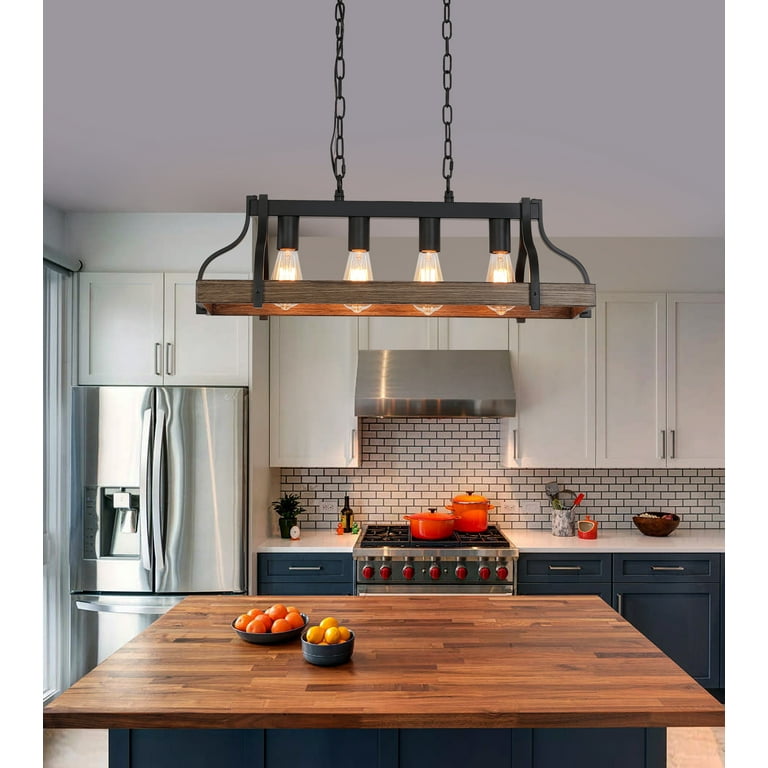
(57, 365)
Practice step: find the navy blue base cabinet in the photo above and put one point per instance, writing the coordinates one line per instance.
(305, 573)
(390, 748)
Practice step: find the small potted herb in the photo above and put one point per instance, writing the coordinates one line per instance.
(288, 508)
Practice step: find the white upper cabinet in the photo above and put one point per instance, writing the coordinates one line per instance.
(202, 349)
(433, 333)
(313, 366)
(695, 380)
(398, 333)
(554, 372)
(142, 328)
(660, 380)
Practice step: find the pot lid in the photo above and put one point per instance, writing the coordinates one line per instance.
(431, 516)
(470, 498)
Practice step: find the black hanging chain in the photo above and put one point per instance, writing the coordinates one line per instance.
(338, 164)
(447, 108)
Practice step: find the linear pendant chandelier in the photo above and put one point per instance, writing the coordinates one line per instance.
(504, 291)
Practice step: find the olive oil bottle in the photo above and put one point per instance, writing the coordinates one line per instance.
(347, 517)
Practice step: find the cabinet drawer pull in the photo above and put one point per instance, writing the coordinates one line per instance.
(619, 603)
(667, 568)
(158, 359)
(305, 567)
(564, 567)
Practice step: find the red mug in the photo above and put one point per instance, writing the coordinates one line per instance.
(586, 528)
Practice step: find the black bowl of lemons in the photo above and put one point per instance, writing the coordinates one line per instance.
(328, 643)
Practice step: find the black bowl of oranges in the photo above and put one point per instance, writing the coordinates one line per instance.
(276, 624)
(328, 643)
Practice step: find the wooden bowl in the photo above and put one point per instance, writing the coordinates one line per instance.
(656, 525)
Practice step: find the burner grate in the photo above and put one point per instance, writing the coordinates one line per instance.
(400, 536)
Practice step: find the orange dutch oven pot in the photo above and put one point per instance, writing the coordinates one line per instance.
(472, 512)
(431, 525)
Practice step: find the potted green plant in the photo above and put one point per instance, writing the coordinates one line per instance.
(288, 508)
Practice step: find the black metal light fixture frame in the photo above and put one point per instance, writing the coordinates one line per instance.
(461, 299)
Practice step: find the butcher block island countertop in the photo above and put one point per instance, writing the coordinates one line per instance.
(420, 661)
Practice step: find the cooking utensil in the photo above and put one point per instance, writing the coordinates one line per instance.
(577, 501)
(551, 489)
(565, 498)
(432, 524)
(471, 511)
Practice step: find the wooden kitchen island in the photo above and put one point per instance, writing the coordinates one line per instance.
(444, 680)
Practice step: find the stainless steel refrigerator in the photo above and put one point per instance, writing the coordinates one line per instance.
(158, 511)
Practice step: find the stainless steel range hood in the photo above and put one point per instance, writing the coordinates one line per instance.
(434, 383)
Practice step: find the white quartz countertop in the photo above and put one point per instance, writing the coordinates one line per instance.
(531, 540)
(622, 540)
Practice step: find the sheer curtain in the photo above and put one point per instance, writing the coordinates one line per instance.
(57, 366)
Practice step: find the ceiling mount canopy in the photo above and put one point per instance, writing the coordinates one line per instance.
(282, 291)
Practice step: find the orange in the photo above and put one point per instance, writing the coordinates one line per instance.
(242, 621)
(315, 634)
(267, 619)
(294, 619)
(255, 612)
(281, 625)
(292, 609)
(329, 621)
(276, 611)
(344, 634)
(332, 635)
(256, 625)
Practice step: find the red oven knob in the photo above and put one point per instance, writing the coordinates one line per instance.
(367, 571)
(385, 571)
(434, 572)
(461, 572)
(408, 572)
(484, 573)
(502, 572)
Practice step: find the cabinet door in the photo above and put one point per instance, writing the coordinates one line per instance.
(631, 380)
(473, 333)
(198, 349)
(313, 364)
(398, 333)
(554, 370)
(120, 328)
(695, 380)
(683, 620)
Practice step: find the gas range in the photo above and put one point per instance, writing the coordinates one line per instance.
(388, 559)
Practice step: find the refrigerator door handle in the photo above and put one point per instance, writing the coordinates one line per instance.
(154, 610)
(146, 425)
(158, 459)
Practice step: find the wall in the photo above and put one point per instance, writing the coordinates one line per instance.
(410, 465)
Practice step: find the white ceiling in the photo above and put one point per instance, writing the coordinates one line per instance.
(611, 111)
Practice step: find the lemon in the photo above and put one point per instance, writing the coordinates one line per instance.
(344, 634)
(329, 621)
(315, 634)
(332, 635)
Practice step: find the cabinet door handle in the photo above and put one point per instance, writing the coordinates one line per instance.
(673, 444)
(158, 359)
(305, 567)
(170, 363)
(663, 444)
(354, 444)
(667, 568)
(620, 603)
(514, 443)
(564, 567)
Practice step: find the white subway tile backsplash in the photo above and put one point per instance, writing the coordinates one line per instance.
(414, 464)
